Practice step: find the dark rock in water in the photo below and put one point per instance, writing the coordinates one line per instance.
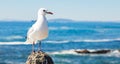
(119, 50)
(101, 51)
(83, 51)
(93, 52)
(39, 58)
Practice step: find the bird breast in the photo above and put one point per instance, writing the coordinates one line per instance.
(41, 31)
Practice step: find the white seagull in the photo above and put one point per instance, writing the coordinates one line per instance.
(39, 30)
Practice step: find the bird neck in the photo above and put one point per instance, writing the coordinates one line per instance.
(41, 18)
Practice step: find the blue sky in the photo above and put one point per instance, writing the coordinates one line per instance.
(90, 10)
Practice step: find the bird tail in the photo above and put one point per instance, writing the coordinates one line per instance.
(28, 41)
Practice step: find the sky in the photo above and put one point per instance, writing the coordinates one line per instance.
(90, 10)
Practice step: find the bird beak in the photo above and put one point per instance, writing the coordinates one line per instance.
(49, 13)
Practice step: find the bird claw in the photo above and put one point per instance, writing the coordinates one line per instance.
(39, 50)
(33, 51)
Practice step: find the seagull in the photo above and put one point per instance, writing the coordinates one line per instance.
(39, 30)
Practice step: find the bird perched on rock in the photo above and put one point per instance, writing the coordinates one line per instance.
(39, 30)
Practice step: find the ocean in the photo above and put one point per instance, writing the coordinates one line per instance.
(64, 37)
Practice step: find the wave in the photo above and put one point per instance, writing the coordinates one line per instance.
(98, 40)
(84, 40)
(11, 62)
(64, 41)
(115, 53)
(78, 28)
(61, 28)
(70, 28)
(12, 37)
(12, 43)
(63, 52)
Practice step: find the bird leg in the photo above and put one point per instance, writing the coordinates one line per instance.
(39, 46)
(33, 47)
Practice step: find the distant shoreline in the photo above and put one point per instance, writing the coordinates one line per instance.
(60, 20)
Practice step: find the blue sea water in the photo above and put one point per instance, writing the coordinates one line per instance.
(64, 38)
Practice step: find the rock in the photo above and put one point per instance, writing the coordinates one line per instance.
(101, 51)
(93, 52)
(83, 51)
(119, 50)
(39, 58)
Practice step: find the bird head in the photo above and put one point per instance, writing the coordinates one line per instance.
(43, 11)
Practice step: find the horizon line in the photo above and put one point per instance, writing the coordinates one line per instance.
(62, 19)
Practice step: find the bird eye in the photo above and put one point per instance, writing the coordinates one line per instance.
(44, 10)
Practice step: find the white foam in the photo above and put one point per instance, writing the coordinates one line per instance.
(64, 41)
(102, 40)
(12, 37)
(59, 41)
(66, 28)
(96, 40)
(61, 28)
(12, 43)
(63, 52)
(11, 62)
(84, 40)
(53, 28)
(114, 53)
